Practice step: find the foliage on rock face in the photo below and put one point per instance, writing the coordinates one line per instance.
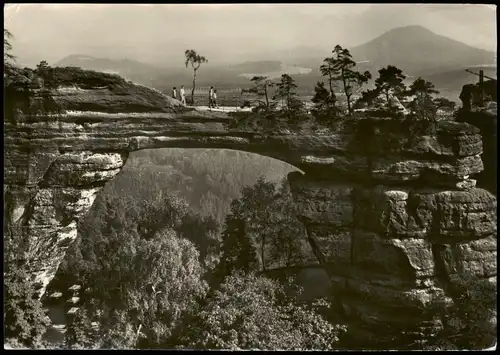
(25, 320)
(80, 333)
(381, 136)
(291, 106)
(9, 66)
(250, 312)
(325, 109)
(444, 104)
(340, 73)
(261, 87)
(417, 119)
(390, 83)
(118, 332)
(423, 107)
(369, 98)
(470, 323)
(17, 82)
(342, 69)
(421, 87)
(390, 80)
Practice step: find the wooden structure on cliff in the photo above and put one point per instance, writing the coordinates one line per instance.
(480, 74)
(488, 87)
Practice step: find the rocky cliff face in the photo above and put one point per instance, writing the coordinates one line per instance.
(394, 220)
(403, 238)
(485, 118)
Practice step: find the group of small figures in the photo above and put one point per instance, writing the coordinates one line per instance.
(212, 96)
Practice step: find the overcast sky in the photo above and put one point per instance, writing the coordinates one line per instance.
(238, 32)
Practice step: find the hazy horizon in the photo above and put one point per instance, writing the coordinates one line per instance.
(227, 33)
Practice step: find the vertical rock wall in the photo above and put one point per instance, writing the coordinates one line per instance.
(398, 244)
(485, 118)
(45, 194)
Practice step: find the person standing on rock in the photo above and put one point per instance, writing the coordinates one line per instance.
(174, 93)
(214, 99)
(183, 95)
(210, 97)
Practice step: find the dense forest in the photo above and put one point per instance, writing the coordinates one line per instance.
(188, 190)
(140, 240)
(208, 180)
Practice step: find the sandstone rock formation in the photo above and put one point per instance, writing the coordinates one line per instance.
(395, 221)
(472, 94)
(485, 118)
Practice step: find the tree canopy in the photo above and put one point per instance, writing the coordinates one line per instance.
(250, 312)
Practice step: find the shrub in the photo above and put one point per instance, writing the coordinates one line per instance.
(250, 312)
(470, 323)
(146, 285)
(24, 317)
(79, 333)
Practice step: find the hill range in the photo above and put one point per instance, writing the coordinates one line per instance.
(414, 49)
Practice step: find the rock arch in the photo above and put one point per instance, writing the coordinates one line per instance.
(393, 228)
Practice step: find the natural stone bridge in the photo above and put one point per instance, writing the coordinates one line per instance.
(395, 230)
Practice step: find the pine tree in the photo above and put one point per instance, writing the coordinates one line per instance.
(291, 106)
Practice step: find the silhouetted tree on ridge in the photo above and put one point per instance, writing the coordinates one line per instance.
(196, 60)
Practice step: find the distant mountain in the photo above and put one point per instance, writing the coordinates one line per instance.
(221, 76)
(414, 49)
(139, 72)
(130, 69)
(419, 51)
(262, 66)
(301, 55)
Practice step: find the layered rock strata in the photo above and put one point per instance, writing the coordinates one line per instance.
(394, 226)
(402, 241)
(485, 118)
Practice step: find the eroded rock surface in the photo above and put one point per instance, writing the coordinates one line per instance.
(485, 118)
(383, 246)
(393, 226)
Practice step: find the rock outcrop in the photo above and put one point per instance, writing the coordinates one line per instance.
(394, 219)
(485, 118)
(474, 94)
